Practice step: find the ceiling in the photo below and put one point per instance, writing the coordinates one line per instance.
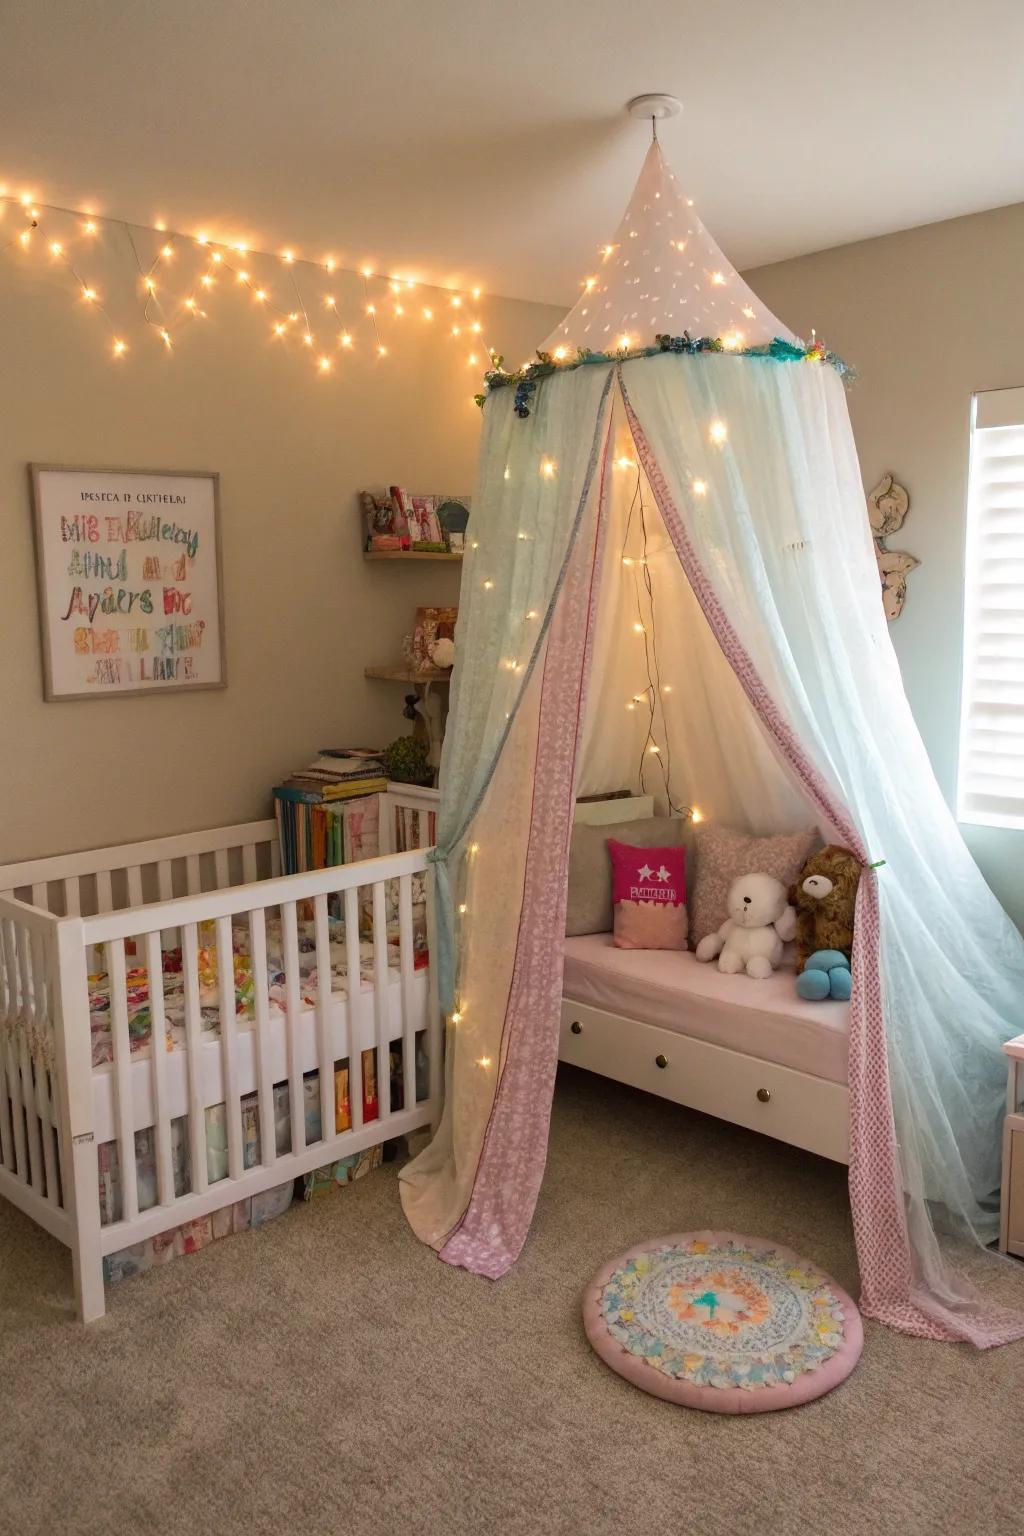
(484, 140)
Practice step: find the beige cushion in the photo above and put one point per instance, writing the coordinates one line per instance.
(723, 854)
(589, 908)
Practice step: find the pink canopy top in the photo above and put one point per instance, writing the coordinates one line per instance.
(662, 275)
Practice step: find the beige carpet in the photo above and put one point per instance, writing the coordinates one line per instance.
(326, 1375)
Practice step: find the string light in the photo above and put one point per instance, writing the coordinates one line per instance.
(645, 625)
(718, 432)
(345, 339)
(324, 364)
(221, 253)
(484, 1061)
(547, 468)
(456, 1017)
(700, 487)
(696, 815)
(463, 909)
(488, 586)
(120, 348)
(718, 278)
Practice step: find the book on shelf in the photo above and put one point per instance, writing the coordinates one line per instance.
(321, 835)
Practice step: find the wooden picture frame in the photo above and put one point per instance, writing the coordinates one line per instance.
(113, 548)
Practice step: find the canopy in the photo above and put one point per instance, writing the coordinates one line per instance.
(698, 494)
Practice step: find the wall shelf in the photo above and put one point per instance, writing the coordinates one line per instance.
(409, 554)
(409, 674)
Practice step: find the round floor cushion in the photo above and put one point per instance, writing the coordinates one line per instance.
(722, 1322)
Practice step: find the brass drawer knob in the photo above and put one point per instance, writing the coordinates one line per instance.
(764, 1094)
(576, 1027)
(661, 1061)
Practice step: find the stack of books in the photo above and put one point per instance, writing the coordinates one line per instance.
(311, 805)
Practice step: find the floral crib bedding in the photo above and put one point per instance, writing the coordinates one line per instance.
(139, 1013)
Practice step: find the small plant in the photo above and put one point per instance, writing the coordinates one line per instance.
(405, 761)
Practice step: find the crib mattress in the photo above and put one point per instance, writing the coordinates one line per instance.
(670, 989)
(173, 978)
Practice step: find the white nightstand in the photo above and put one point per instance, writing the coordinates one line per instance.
(1011, 1221)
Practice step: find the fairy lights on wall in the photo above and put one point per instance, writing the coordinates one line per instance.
(177, 280)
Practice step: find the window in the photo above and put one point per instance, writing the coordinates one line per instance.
(991, 778)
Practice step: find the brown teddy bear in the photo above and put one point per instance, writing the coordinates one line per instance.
(825, 896)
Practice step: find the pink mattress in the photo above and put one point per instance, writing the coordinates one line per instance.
(670, 989)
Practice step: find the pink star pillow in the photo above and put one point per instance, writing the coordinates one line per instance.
(649, 896)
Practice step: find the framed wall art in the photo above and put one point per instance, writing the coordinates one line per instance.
(128, 565)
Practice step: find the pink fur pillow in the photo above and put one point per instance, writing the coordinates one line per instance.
(649, 896)
(722, 854)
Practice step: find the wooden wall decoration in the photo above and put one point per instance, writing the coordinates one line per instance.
(888, 505)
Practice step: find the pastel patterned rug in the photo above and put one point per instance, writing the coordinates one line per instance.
(722, 1322)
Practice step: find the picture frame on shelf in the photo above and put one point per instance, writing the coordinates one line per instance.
(398, 523)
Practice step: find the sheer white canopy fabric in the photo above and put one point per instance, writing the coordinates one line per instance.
(663, 274)
(751, 464)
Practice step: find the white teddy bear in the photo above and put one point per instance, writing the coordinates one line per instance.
(760, 920)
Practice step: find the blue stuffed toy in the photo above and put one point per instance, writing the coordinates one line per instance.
(825, 974)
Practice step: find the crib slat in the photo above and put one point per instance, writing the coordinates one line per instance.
(325, 1048)
(275, 858)
(39, 896)
(354, 987)
(104, 891)
(261, 1016)
(249, 867)
(41, 993)
(222, 868)
(29, 1013)
(381, 999)
(17, 1111)
(8, 982)
(134, 874)
(193, 874)
(8, 1002)
(229, 1055)
(123, 1104)
(193, 1031)
(290, 935)
(158, 1067)
(164, 880)
(7, 1157)
(407, 969)
(72, 896)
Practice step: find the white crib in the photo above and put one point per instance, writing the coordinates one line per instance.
(62, 917)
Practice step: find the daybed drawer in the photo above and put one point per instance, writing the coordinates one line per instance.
(806, 1111)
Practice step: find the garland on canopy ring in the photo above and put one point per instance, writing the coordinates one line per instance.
(525, 380)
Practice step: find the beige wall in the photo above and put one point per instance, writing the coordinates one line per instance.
(927, 316)
(304, 612)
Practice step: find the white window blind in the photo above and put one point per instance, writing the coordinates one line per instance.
(991, 778)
